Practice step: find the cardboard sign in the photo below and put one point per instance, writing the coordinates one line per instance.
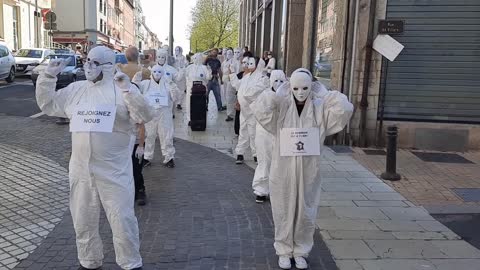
(93, 118)
(299, 142)
(387, 46)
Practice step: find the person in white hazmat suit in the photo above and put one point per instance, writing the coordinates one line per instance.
(196, 72)
(230, 92)
(249, 87)
(170, 72)
(103, 111)
(306, 108)
(161, 93)
(180, 65)
(264, 143)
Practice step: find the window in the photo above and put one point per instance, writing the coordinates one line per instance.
(30, 53)
(101, 6)
(3, 51)
(15, 28)
(325, 29)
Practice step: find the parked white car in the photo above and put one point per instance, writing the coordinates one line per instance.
(7, 64)
(27, 59)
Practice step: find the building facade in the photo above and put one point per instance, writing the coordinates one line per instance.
(430, 91)
(93, 22)
(21, 23)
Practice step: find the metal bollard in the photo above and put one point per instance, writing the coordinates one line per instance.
(391, 170)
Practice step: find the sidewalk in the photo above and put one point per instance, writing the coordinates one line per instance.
(441, 182)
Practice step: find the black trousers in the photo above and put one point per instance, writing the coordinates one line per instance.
(237, 122)
(137, 172)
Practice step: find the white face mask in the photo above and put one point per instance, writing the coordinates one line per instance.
(269, 56)
(229, 54)
(252, 64)
(245, 63)
(91, 71)
(277, 78)
(178, 51)
(237, 53)
(161, 59)
(301, 84)
(157, 73)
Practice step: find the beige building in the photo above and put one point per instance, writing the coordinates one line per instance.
(21, 23)
(432, 89)
(90, 22)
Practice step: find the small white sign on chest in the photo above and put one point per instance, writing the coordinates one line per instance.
(299, 142)
(93, 118)
(158, 99)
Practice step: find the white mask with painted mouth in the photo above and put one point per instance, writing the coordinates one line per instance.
(301, 85)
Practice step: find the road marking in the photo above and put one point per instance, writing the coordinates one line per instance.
(37, 115)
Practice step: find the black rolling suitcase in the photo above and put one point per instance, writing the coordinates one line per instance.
(198, 107)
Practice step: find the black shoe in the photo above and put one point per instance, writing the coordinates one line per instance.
(179, 107)
(146, 163)
(141, 197)
(261, 199)
(170, 164)
(229, 119)
(239, 159)
(224, 108)
(83, 268)
(255, 159)
(221, 109)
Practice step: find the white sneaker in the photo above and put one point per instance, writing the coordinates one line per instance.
(284, 262)
(301, 263)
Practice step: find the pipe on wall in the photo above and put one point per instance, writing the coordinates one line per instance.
(366, 79)
(352, 66)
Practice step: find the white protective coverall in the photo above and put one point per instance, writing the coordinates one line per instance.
(249, 88)
(295, 181)
(100, 169)
(180, 65)
(230, 92)
(162, 123)
(162, 58)
(264, 141)
(196, 72)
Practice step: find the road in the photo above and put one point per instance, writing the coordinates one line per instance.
(18, 98)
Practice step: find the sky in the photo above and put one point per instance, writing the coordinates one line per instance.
(157, 18)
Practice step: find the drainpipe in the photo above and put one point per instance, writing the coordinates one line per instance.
(353, 63)
(366, 79)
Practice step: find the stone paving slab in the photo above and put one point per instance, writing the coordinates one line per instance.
(431, 184)
(383, 230)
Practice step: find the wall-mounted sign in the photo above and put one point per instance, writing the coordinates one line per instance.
(390, 27)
